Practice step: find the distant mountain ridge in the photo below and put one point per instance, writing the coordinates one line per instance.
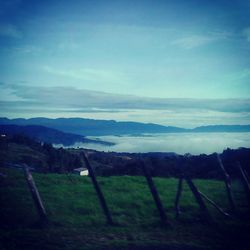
(91, 127)
(48, 135)
(222, 128)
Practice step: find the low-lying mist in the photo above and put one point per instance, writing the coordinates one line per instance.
(181, 143)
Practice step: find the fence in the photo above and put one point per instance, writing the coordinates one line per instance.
(199, 196)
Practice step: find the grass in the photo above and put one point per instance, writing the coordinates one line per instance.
(77, 221)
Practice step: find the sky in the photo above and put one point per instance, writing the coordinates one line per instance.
(183, 63)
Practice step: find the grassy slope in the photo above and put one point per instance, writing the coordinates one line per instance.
(77, 221)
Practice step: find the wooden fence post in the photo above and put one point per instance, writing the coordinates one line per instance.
(177, 199)
(198, 198)
(228, 184)
(98, 190)
(245, 182)
(154, 193)
(35, 195)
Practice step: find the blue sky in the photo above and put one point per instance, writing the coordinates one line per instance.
(183, 63)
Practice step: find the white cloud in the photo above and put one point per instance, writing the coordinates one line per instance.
(194, 41)
(27, 49)
(88, 74)
(69, 45)
(8, 94)
(69, 97)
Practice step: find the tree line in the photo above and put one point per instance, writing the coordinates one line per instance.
(46, 158)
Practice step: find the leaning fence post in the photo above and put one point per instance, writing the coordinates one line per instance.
(98, 190)
(154, 193)
(214, 204)
(228, 184)
(245, 182)
(177, 199)
(198, 198)
(35, 195)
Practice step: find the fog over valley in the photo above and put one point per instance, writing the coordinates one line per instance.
(180, 143)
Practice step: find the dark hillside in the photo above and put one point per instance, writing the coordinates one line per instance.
(48, 135)
(42, 157)
(172, 165)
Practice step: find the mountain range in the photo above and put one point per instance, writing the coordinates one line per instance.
(91, 127)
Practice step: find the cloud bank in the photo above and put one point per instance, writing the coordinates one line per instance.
(179, 143)
(29, 101)
(22, 96)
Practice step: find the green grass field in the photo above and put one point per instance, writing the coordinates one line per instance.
(76, 220)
